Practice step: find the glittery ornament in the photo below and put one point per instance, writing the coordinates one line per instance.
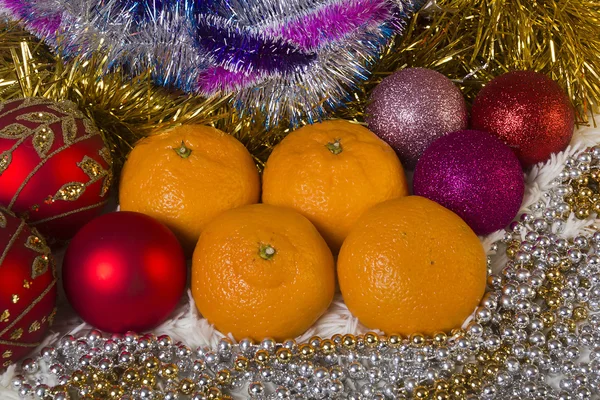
(55, 170)
(413, 107)
(27, 288)
(475, 175)
(528, 111)
(124, 271)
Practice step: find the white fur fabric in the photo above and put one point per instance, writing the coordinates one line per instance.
(188, 326)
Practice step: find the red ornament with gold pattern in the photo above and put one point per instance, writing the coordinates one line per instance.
(55, 169)
(27, 288)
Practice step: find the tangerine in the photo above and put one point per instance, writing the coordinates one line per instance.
(331, 173)
(186, 176)
(262, 271)
(410, 265)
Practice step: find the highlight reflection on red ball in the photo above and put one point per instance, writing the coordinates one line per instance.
(124, 271)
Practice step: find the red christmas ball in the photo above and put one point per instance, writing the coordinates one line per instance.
(124, 271)
(528, 111)
(55, 170)
(27, 288)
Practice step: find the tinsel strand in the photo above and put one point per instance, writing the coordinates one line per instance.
(271, 56)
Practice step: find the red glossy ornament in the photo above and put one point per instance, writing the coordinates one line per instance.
(27, 288)
(55, 170)
(124, 271)
(527, 110)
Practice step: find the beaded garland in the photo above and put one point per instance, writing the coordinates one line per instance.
(537, 320)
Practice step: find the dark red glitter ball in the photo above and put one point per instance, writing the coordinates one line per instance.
(528, 111)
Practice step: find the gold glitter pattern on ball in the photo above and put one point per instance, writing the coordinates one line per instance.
(92, 168)
(43, 138)
(36, 243)
(5, 159)
(16, 334)
(69, 128)
(3, 220)
(35, 326)
(39, 266)
(13, 131)
(105, 154)
(69, 191)
(39, 117)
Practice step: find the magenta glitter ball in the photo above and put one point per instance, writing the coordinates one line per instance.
(412, 107)
(475, 175)
(528, 111)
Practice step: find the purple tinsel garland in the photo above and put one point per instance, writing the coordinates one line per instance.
(242, 50)
(334, 22)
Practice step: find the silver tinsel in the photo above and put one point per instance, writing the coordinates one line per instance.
(262, 74)
(536, 335)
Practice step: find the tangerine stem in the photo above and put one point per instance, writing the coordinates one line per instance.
(183, 151)
(266, 251)
(335, 147)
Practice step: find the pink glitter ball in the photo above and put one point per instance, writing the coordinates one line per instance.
(474, 174)
(412, 107)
